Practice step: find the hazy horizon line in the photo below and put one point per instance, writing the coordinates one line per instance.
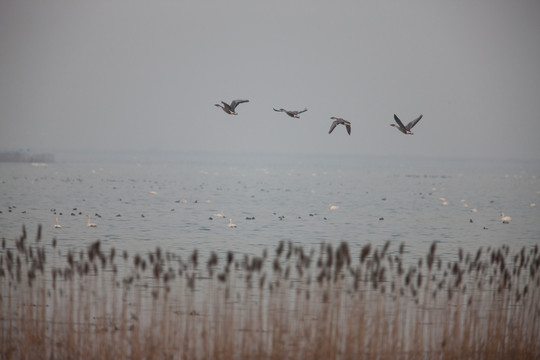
(85, 154)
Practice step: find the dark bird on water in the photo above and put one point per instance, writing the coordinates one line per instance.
(229, 109)
(341, 121)
(405, 129)
(292, 113)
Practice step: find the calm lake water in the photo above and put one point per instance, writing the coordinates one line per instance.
(143, 203)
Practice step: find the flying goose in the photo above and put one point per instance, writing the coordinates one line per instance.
(292, 113)
(405, 129)
(229, 109)
(341, 121)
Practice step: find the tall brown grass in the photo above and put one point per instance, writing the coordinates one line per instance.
(323, 304)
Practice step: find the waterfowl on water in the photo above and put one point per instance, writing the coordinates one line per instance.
(405, 129)
(231, 225)
(292, 113)
(57, 226)
(341, 121)
(89, 223)
(505, 219)
(221, 214)
(230, 109)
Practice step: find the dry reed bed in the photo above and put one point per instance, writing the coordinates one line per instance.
(324, 304)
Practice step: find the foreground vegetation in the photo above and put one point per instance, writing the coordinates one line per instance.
(326, 303)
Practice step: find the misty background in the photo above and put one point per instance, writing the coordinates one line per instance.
(145, 75)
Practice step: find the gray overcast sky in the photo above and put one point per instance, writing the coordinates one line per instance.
(146, 75)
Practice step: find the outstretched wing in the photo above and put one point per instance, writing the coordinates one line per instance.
(299, 112)
(235, 103)
(412, 123)
(333, 126)
(399, 122)
(348, 126)
(227, 106)
(280, 110)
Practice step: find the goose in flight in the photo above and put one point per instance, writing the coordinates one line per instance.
(229, 109)
(292, 113)
(341, 121)
(405, 129)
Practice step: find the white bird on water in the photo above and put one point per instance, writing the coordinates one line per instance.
(333, 207)
(57, 226)
(231, 225)
(505, 219)
(221, 214)
(89, 223)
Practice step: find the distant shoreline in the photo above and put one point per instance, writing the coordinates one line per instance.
(20, 157)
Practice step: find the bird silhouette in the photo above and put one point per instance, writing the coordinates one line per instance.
(405, 129)
(338, 121)
(230, 109)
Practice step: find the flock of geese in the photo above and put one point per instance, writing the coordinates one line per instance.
(405, 129)
(231, 110)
